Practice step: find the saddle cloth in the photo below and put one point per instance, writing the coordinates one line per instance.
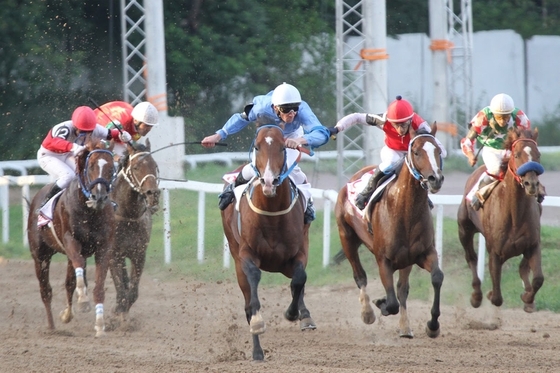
(45, 215)
(355, 187)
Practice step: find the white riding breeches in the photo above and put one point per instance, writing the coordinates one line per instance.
(492, 159)
(60, 165)
(389, 157)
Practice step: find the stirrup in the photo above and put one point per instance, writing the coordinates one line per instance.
(362, 200)
(226, 197)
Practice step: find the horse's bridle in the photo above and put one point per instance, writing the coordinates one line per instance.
(520, 171)
(413, 171)
(86, 185)
(131, 178)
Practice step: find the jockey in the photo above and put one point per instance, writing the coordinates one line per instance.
(282, 107)
(65, 140)
(396, 123)
(490, 126)
(137, 121)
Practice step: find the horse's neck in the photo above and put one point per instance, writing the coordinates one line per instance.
(406, 183)
(128, 199)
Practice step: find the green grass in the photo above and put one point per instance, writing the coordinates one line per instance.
(184, 205)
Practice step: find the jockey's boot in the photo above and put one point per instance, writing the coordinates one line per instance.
(478, 199)
(51, 193)
(309, 214)
(363, 197)
(227, 196)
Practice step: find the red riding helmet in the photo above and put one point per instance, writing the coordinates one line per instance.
(399, 111)
(83, 118)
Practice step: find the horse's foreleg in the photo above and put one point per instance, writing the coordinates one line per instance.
(432, 328)
(388, 305)
(101, 269)
(402, 295)
(368, 316)
(297, 309)
(253, 306)
(466, 236)
(118, 273)
(42, 269)
(495, 268)
(136, 268)
(72, 276)
(533, 263)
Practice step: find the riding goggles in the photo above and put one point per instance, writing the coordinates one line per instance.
(288, 109)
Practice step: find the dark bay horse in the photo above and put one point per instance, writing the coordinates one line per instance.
(83, 225)
(268, 233)
(136, 193)
(509, 220)
(403, 232)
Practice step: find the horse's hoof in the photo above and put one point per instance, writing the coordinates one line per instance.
(291, 317)
(66, 316)
(432, 333)
(476, 300)
(368, 316)
(406, 334)
(529, 307)
(84, 307)
(100, 334)
(307, 324)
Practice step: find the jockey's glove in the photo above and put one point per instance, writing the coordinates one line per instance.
(125, 136)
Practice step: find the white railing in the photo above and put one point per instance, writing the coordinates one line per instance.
(328, 196)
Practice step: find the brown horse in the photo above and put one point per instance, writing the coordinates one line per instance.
(509, 220)
(83, 225)
(403, 232)
(268, 233)
(136, 193)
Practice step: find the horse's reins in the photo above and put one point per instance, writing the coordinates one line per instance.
(279, 181)
(518, 172)
(86, 189)
(413, 171)
(129, 176)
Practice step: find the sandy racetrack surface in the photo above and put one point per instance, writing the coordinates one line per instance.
(188, 326)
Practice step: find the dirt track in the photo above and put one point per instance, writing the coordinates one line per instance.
(186, 326)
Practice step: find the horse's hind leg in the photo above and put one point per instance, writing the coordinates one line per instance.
(531, 289)
(297, 309)
(402, 294)
(42, 269)
(466, 236)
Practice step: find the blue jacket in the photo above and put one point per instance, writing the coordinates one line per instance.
(262, 113)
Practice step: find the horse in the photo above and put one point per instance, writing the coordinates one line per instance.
(398, 230)
(136, 194)
(268, 233)
(509, 220)
(83, 225)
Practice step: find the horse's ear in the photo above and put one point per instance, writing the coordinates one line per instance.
(535, 134)
(434, 128)
(148, 145)
(412, 132)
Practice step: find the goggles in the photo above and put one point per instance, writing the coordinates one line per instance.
(288, 109)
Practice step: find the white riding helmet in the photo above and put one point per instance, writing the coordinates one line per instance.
(285, 94)
(146, 113)
(502, 104)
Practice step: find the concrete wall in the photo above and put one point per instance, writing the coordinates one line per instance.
(502, 62)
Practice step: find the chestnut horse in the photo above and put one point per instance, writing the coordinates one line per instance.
(83, 225)
(136, 193)
(403, 232)
(268, 233)
(509, 220)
